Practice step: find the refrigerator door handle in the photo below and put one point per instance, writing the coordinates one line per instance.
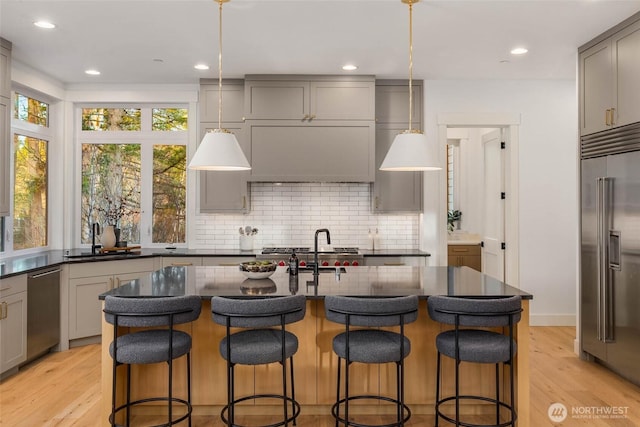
(605, 262)
(599, 256)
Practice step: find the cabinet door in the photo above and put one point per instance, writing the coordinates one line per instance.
(226, 192)
(394, 191)
(232, 101)
(274, 100)
(5, 69)
(334, 151)
(13, 331)
(340, 100)
(392, 103)
(626, 60)
(596, 80)
(186, 261)
(85, 309)
(5, 151)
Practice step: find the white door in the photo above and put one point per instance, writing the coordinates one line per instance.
(493, 204)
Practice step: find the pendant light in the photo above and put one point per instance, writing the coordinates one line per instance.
(219, 149)
(409, 151)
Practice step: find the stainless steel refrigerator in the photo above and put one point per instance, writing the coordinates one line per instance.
(610, 249)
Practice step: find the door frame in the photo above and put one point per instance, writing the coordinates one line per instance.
(511, 123)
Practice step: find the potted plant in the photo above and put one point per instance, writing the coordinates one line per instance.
(453, 216)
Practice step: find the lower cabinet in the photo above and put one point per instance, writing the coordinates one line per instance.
(181, 261)
(465, 255)
(88, 280)
(13, 322)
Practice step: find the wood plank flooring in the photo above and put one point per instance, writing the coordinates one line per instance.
(63, 389)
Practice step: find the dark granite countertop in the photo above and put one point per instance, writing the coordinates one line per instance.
(11, 266)
(356, 281)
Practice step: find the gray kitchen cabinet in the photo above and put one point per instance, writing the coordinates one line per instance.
(395, 192)
(224, 192)
(309, 98)
(414, 261)
(609, 74)
(13, 322)
(5, 121)
(332, 152)
(88, 280)
(226, 261)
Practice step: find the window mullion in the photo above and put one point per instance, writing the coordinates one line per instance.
(146, 194)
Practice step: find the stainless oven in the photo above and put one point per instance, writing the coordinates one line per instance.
(338, 256)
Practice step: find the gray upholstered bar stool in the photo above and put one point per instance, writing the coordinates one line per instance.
(263, 340)
(158, 342)
(371, 345)
(476, 346)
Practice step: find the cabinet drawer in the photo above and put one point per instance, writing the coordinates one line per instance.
(227, 261)
(184, 261)
(100, 268)
(13, 285)
(464, 250)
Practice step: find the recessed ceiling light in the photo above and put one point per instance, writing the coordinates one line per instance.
(44, 24)
(349, 67)
(201, 67)
(92, 72)
(519, 51)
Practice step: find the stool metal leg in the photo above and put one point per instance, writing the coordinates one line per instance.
(284, 391)
(437, 388)
(497, 393)
(189, 385)
(338, 390)
(128, 395)
(293, 391)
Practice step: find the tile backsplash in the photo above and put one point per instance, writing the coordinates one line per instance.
(288, 214)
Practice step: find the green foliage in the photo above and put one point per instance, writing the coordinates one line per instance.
(111, 119)
(169, 119)
(452, 217)
(169, 193)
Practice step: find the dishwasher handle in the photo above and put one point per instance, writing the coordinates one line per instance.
(46, 273)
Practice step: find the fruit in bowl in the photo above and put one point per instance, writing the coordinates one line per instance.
(258, 269)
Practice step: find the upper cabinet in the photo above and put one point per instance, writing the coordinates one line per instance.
(395, 192)
(309, 98)
(609, 80)
(5, 120)
(311, 128)
(224, 192)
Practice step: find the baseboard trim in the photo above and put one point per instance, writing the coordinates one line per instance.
(552, 319)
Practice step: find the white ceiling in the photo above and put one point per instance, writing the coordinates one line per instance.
(452, 39)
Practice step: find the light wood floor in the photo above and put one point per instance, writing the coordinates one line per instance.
(63, 389)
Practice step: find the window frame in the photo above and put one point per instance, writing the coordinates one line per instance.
(147, 138)
(32, 130)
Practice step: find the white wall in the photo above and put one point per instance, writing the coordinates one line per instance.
(548, 167)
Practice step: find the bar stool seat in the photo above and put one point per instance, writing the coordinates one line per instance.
(367, 344)
(263, 339)
(476, 346)
(149, 346)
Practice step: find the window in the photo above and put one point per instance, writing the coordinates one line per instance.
(28, 226)
(134, 173)
(30, 215)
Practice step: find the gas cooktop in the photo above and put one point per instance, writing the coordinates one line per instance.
(287, 250)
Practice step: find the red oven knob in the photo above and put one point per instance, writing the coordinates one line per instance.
(337, 263)
(281, 264)
(302, 264)
(325, 263)
(355, 263)
(346, 263)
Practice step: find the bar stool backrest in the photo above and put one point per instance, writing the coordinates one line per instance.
(475, 312)
(152, 312)
(371, 312)
(258, 312)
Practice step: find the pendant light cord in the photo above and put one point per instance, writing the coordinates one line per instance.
(410, 64)
(220, 65)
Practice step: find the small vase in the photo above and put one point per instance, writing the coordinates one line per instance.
(108, 238)
(246, 243)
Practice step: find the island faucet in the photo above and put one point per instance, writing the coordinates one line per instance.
(95, 229)
(315, 250)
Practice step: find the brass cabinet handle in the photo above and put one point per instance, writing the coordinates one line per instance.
(606, 117)
(4, 310)
(311, 117)
(613, 116)
(244, 202)
(377, 202)
(305, 117)
(181, 264)
(117, 282)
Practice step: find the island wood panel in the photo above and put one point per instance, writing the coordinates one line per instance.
(315, 369)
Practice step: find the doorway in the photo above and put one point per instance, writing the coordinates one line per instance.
(497, 223)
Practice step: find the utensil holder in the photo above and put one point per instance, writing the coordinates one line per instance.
(246, 243)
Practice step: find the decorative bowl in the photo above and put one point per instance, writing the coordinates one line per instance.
(258, 269)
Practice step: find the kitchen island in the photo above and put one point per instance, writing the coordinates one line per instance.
(315, 363)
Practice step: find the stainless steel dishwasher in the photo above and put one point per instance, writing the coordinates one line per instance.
(43, 312)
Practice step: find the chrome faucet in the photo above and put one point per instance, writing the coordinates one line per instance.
(95, 229)
(315, 250)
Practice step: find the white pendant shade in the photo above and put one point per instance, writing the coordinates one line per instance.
(219, 151)
(409, 152)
